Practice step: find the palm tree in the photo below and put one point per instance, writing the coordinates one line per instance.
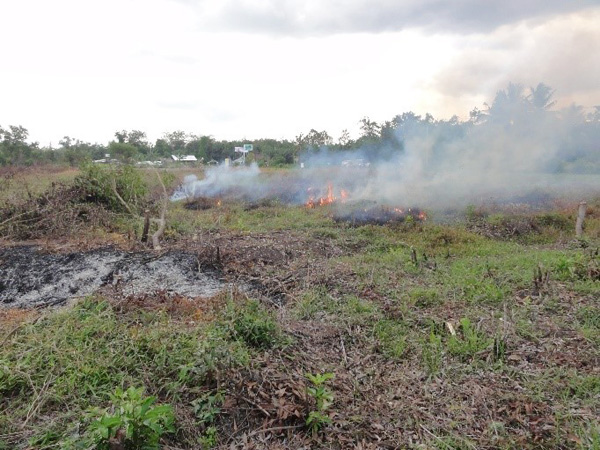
(540, 96)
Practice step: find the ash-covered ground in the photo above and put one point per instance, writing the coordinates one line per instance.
(31, 278)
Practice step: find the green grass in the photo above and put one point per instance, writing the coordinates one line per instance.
(392, 337)
(74, 359)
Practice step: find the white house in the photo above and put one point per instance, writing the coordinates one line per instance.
(184, 158)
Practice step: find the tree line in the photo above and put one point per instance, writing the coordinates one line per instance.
(516, 111)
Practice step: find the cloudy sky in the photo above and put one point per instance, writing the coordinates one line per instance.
(276, 68)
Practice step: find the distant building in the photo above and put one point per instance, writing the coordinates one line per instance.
(184, 158)
(149, 163)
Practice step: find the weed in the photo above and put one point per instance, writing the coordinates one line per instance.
(424, 297)
(584, 387)
(209, 438)
(207, 407)
(255, 326)
(470, 343)
(134, 423)
(589, 318)
(590, 438)
(323, 398)
(499, 349)
(206, 410)
(580, 266)
(432, 353)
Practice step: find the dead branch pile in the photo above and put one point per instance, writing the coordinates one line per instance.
(60, 211)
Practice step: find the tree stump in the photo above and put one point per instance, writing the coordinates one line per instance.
(580, 218)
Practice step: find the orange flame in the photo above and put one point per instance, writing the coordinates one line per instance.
(326, 200)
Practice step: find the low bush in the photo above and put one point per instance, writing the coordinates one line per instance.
(119, 188)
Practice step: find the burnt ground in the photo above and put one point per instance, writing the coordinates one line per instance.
(30, 278)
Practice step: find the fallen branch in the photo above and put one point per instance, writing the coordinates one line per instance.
(113, 185)
(263, 410)
(10, 219)
(267, 430)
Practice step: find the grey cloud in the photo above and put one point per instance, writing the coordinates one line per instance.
(559, 54)
(311, 17)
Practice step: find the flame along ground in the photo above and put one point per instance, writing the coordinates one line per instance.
(328, 199)
(373, 213)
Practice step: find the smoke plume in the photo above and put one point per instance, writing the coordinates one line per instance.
(515, 152)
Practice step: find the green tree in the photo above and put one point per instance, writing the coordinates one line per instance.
(369, 129)
(176, 141)
(123, 152)
(135, 138)
(345, 141)
(14, 149)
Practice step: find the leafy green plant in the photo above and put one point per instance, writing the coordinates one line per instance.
(323, 398)
(134, 423)
(471, 341)
(207, 407)
(209, 438)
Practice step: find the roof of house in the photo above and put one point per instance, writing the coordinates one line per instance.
(184, 158)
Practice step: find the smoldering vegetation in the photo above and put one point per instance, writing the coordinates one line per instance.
(516, 150)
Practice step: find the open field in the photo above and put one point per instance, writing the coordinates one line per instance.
(481, 331)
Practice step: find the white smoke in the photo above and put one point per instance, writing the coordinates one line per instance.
(216, 181)
(512, 154)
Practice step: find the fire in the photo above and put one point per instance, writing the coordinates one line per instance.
(328, 199)
(383, 214)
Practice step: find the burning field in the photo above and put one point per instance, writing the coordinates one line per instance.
(302, 309)
(345, 199)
